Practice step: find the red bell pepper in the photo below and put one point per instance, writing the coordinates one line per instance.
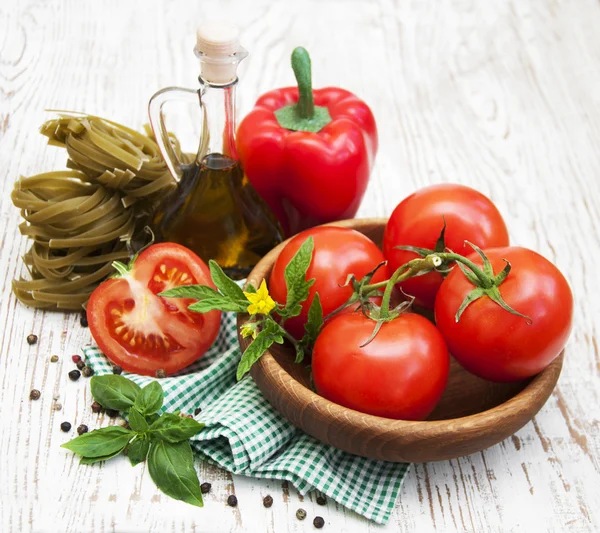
(307, 152)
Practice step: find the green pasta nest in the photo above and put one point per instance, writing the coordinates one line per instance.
(81, 220)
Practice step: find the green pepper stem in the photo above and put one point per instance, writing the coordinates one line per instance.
(302, 70)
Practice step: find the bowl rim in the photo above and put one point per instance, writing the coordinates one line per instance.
(532, 396)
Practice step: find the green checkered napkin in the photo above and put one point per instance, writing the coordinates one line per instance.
(246, 436)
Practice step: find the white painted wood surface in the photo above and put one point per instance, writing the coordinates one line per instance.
(502, 96)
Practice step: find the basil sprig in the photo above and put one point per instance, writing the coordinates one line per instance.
(267, 323)
(162, 439)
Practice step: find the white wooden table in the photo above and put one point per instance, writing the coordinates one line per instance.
(502, 96)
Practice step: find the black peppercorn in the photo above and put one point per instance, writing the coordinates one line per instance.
(80, 365)
(54, 358)
(321, 500)
(300, 514)
(268, 501)
(82, 429)
(31, 339)
(318, 522)
(96, 407)
(65, 426)
(34, 394)
(74, 375)
(197, 411)
(232, 500)
(205, 488)
(112, 413)
(87, 371)
(160, 373)
(117, 370)
(83, 320)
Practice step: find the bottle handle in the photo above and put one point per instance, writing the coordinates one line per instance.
(159, 128)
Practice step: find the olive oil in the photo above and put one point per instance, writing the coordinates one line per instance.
(217, 213)
(214, 210)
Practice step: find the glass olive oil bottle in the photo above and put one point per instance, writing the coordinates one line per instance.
(214, 210)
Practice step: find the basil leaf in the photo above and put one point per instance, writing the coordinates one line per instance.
(137, 421)
(226, 285)
(259, 346)
(173, 428)
(150, 399)
(171, 467)
(138, 450)
(114, 391)
(221, 303)
(100, 442)
(295, 279)
(152, 418)
(198, 292)
(92, 460)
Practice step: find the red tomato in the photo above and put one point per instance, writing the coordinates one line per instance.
(143, 332)
(495, 344)
(419, 219)
(400, 374)
(337, 253)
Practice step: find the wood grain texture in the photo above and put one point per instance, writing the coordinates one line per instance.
(472, 415)
(502, 96)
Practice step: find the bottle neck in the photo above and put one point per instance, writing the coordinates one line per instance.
(219, 120)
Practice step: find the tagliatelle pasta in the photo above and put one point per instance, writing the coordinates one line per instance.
(83, 219)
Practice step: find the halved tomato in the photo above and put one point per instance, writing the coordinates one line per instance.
(143, 332)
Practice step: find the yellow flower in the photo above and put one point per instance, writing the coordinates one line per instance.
(260, 301)
(249, 330)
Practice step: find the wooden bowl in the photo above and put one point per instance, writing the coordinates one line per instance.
(472, 415)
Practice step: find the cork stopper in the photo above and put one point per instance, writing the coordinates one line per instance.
(218, 47)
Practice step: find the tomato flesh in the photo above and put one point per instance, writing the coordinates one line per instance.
(143, 332)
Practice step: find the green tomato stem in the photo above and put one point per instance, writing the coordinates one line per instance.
(284, 332)
(486, 281)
